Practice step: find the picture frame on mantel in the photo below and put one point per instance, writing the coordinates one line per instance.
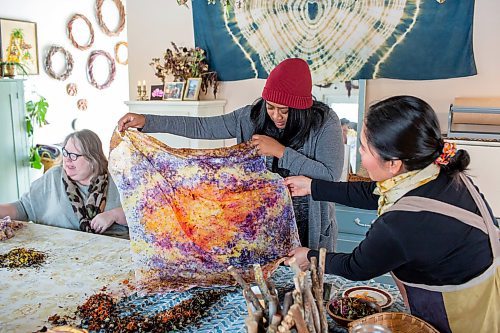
(173, 91)
(192, 89)
(18, 43)
(156, 93)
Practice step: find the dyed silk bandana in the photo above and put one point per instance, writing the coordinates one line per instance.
(192, 213)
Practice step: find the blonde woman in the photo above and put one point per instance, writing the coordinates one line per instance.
(78, 195)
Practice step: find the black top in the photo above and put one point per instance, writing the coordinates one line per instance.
(419, 247)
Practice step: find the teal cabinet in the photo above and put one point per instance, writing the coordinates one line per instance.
(353, 225)
(14, 164)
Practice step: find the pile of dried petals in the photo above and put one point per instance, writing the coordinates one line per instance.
(7, 228)
(100, 312)
(22, 258)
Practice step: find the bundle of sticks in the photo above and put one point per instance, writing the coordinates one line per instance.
(302, 310)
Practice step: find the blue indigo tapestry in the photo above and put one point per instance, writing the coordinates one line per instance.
(341, 40)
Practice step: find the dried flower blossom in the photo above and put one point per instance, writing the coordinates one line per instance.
(184, 63)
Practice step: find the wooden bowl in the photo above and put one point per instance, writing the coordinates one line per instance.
(359, 304)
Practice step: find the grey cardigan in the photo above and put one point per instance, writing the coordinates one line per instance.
(321, 157)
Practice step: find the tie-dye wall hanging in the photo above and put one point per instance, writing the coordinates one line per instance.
(341, 40)
(192, 213)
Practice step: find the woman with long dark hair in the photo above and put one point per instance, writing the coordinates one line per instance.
(298, 136)
(434, 232)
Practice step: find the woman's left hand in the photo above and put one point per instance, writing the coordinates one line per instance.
(267, 146)
(300, 255)
(101, 222)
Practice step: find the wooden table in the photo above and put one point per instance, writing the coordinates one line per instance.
(80, 264)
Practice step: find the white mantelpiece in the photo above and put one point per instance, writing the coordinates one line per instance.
(181, 108)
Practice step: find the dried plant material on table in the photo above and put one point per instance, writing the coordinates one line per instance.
(22, 258)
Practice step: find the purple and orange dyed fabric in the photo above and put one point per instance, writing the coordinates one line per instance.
(194, 212)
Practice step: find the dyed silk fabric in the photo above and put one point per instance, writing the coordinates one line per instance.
(192, 213)
(341, 40)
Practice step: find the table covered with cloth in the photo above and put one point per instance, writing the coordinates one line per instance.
(80, 264)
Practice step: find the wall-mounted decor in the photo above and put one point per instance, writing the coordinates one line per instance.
(70, 32)
(192, 89)
(118, 46)
(82, 104)
(341, 40)
(173, 90)
(90, 69)
(69, 63)
(72, 89)
(18, 44)
(100, 20)
(156, 92)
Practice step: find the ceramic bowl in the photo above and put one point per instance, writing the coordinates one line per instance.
(361, 308)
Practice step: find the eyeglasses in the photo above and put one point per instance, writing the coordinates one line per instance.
(72, 156)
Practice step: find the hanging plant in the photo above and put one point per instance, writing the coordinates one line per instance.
(184, 63)
(35, 117)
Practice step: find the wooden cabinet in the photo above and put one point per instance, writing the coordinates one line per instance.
(353, 225)
(181, 108)
(14, 164)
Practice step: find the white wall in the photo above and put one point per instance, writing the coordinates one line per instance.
(104, 106)
(153, 24)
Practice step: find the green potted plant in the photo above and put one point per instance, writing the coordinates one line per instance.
(11, 68)
(35, 116)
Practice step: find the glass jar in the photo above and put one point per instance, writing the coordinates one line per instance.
(370, 328)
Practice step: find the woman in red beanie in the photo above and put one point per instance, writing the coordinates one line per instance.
(298, 136)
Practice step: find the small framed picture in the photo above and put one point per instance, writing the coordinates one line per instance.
(173, 90)
(156, 92)
(192, 89)
(18, 43)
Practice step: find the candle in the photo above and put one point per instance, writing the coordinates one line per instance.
(138, 83)
(144, 84)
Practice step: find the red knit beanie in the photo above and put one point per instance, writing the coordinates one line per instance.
(290, 84)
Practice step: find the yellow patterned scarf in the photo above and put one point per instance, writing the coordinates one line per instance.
(390, 190)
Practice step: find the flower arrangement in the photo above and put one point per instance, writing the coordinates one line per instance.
(184, 63)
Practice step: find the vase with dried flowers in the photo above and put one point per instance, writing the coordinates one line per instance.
(183, 63)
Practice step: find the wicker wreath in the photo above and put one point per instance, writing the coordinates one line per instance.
(69, 63)
(117, 58)
(70, 32)
(90, 65)
(100, 20)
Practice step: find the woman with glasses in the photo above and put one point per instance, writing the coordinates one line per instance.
(78, 195)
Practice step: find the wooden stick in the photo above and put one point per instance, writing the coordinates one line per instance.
(321, 267)
(274, 306)
(251, 324)
(248, 291)
(261, 282)
(308, 317)
(272, 287)
(275, 321)
(294, 266)
(300, 324)
(314, 310)
(318, 295)
(287, 302)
